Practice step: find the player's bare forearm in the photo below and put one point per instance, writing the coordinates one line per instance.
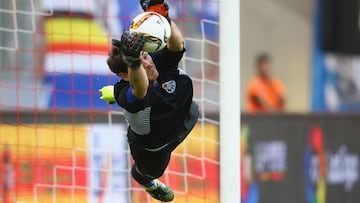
(138, 82)
(176, 41)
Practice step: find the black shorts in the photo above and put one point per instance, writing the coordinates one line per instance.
(153, 162)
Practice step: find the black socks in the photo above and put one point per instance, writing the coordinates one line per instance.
(139, 178)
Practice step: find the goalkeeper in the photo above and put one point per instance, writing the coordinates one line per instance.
(156, 98)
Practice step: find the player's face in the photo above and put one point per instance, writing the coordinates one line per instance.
(265, 69)
(149, 66)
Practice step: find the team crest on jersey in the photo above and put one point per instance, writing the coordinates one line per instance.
(169, 86)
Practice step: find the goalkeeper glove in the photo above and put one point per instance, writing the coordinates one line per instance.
(131, 45)
(157, 6)
(107, 94)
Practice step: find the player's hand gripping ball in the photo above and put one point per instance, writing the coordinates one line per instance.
(155, 29)
(131, 45)
(157, 6)
(107, 94)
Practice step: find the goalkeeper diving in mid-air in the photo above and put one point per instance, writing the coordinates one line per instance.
(157, 99)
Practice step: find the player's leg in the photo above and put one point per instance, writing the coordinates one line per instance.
(150, 164)
(183, 131)
(148, 167)
(153, 162)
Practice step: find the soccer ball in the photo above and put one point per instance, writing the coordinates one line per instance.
(155, 28)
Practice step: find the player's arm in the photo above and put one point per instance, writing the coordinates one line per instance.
(281, 92)
(138, 82)
(131, 45)
(176, 41)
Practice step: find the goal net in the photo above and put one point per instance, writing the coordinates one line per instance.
(58, 141)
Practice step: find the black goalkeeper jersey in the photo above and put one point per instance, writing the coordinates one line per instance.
(155, 118)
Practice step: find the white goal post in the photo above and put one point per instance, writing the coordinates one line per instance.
(229, 101)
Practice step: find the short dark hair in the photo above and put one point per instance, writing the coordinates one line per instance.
(261, 58)
(116, 62)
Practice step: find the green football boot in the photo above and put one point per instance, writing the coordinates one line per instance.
(160, 191)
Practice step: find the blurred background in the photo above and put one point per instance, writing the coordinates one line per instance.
(313, 46)
(300, 98)
(284, 29)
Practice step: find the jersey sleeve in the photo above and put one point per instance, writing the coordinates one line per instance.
(252, 89)
(280, 88)
(166, 60)
(126, 100)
